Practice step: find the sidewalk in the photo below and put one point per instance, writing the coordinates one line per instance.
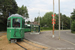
(46, 39)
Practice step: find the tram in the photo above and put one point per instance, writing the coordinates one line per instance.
(15, 27)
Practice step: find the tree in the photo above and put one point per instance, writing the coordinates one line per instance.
(46, 21)
(73, 26)
(66, 22)
(28, 22)
(35, 19)
(57, 21)
(73, 21)
(23, 11)
(73, 15)
(63, 19)
(6, 7)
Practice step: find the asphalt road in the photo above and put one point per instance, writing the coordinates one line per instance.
(66, 35)
(67, 41)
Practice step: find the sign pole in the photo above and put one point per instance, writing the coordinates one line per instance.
(53, 19)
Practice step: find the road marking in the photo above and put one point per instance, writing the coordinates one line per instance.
(68, 41)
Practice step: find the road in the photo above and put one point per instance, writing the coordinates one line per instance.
(66, 35)
(67, 41)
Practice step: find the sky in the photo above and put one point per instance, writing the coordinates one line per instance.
(43, 6)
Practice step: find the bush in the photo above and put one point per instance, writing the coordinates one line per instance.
(73, 27)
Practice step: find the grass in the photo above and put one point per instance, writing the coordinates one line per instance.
(9, 42)
(45, 30)
(0, 39)
(55, 29)
(73, 32)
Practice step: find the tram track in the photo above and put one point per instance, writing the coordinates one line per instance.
(35, 46)
(21, 46)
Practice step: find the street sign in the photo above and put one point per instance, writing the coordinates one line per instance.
(54, 19)
(52, 15)
(54, 23)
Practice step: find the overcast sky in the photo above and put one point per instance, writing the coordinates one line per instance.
(34, 6)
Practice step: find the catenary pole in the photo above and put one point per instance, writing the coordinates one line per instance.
(59, 17)
(53, 19)
(39, 17)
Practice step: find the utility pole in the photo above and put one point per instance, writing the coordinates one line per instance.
(59, 17)
(70, 22)
(53, 19)
(39, 18)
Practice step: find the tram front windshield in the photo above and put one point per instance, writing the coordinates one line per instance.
(16, 22)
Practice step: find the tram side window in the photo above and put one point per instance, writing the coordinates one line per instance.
(23, 24)
(9, 23)
(16, 22)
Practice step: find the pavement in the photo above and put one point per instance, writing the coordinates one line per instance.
(67, 41)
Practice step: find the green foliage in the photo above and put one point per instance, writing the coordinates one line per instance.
(23, 11)
(73, 26)
(28, 22)
(47, 18)
(46, 21)
(73, 21)
(73, 15)
(0, 39)
(6, 7)
(57, 21)
(66, 22)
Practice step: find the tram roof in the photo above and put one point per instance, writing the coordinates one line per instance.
(16, 15)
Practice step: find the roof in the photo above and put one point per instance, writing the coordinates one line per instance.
(16, 15)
